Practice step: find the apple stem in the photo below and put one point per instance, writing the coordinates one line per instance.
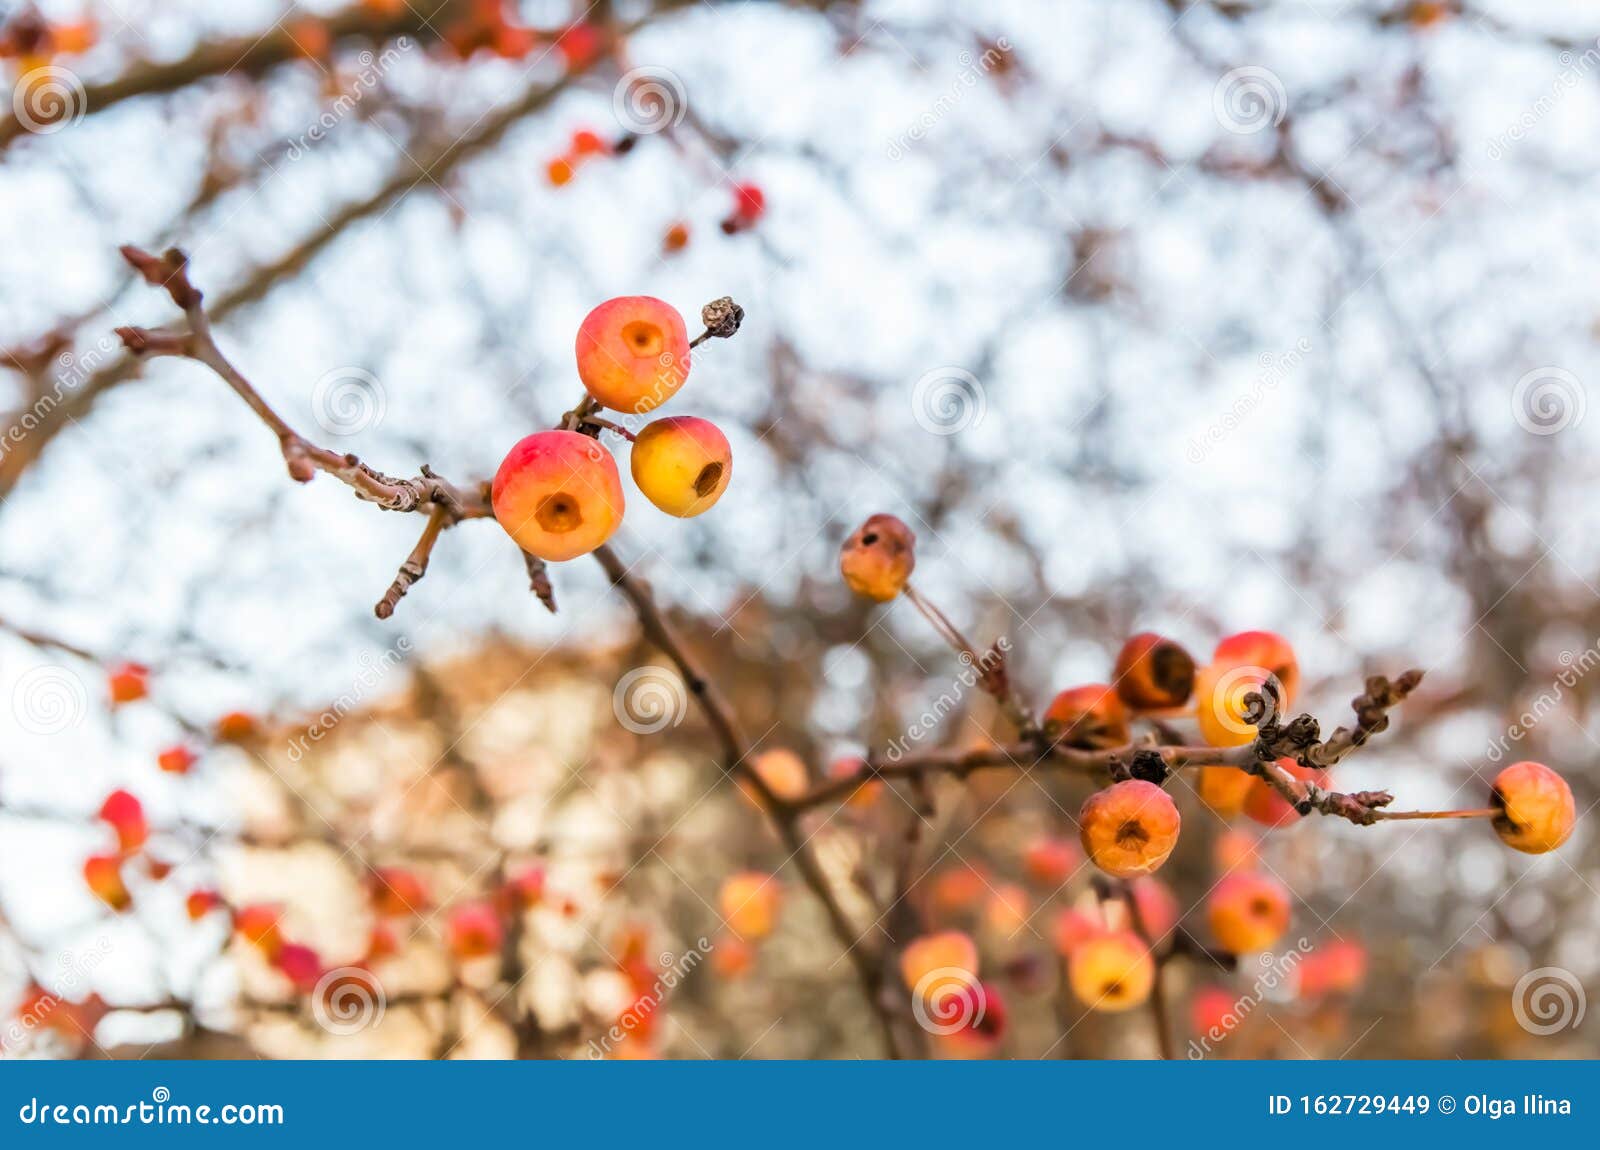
(1476, 813)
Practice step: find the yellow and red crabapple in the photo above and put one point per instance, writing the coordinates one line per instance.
(237, 727)
(1337, 967)
(258, 925)
(1051, 861)
(103, 874)
(1535, 810)
(682, 464)
(877, 560)
(301, 965)
(128, 683)
(1152, 673)
(947, 949)
(176, 759)
(749, 902)
(1008, 910)
(200, 903)
(1225, 789)
(852, 767)
(1220, 695)
(1072, 928)
(1158, 907)
(1112, 971)
(125, 815)
(1090, 717)
(1266, 806)
(397, 892)
(783, 771)
(1264, 649)
(633, 353)
(1248, 912)
(474, 931)
(558, 495)
(1129, 828)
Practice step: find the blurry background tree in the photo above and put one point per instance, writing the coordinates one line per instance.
(1190, 317)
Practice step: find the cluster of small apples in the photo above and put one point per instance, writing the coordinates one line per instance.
(749, 902)
(473, 929)
(585, 145)
(33, 42)
(558, 493)
(107, 874)
(489, 27)
(749, 207)
(43, 1011)
(1132, 826)
(966, 1016)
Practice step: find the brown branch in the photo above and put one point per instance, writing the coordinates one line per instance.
(1160, 1009)
(990, 666)
(735, 749)
(423, 167)
(445, 503)
(539, 580)
(250, 57)
(415, 566)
